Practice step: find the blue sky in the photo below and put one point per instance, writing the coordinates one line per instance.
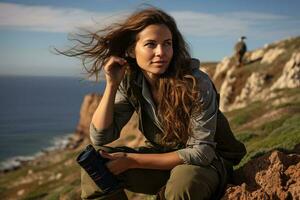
(29, 29)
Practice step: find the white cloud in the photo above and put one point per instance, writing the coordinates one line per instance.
(254, 16)
(203, 24)
(52, 19)
(226, 24)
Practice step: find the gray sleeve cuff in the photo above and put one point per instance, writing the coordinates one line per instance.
(102, 137)
(202, 154)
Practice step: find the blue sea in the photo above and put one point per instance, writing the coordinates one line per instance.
(36, 112)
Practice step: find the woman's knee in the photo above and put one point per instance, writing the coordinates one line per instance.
(191, 182)
(144, 180)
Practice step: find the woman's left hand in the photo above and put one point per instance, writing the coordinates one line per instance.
(119, 162)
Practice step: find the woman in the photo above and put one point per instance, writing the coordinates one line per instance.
(148, 69)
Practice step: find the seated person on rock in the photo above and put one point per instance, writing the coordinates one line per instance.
(148, 69)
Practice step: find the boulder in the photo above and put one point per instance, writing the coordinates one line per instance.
(88, 107)
(256, 55)
(290, 77)
(254, 85)
(274, 175)
(271, 55)
(226, 90)
(222, 67)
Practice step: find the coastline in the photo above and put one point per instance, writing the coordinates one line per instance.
(33, 124)
(58, 143)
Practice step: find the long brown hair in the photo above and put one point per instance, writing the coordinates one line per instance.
(174, 109)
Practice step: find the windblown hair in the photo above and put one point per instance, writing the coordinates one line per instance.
(174, 109)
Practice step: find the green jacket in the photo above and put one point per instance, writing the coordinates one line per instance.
(200, 148)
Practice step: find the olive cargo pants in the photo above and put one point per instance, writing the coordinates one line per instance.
(183, 182)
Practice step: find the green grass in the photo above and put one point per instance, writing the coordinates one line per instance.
(255, 67)
(267, 128)
(12, 176)
(57, 193)
(245, 136)
(293, 94)
(49, 189)
(292, 91)
(283, 134)
(241, 116)
(53, 196)
(66, 190)
(2, 189)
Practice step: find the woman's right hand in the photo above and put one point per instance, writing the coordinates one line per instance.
(114, 69)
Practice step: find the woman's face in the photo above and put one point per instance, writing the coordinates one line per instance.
(154, 50)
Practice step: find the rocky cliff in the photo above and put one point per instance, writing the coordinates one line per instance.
(262, 100)
(264, 71)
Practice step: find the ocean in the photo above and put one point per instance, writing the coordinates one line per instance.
(37, 113)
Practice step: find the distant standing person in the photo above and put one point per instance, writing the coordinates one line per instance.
(240, 49)
(190, 149)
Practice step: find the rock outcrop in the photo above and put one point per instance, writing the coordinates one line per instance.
(88, 107)
(222, 68)
(254, 86)
(272, 67)
(226, 90)
(271, 55)
(256, 55)
(274, 175)
(290, 77)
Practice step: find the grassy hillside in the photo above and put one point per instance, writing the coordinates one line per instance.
(54, 176)
(263, 126)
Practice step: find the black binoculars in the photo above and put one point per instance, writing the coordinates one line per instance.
(94, 164)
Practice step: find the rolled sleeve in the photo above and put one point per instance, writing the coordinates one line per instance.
(200, 147)
(123, 111)
(197, 155)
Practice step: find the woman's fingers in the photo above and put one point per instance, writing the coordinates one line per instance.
(118, 162)
(118, 154)
(104, 154)
(112, 156)
(113, 62)
(116, 166)
(120, 60)
(114, 70)
(111, 166)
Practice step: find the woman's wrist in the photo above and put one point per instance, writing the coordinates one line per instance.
(133, 160)
(113, 87)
